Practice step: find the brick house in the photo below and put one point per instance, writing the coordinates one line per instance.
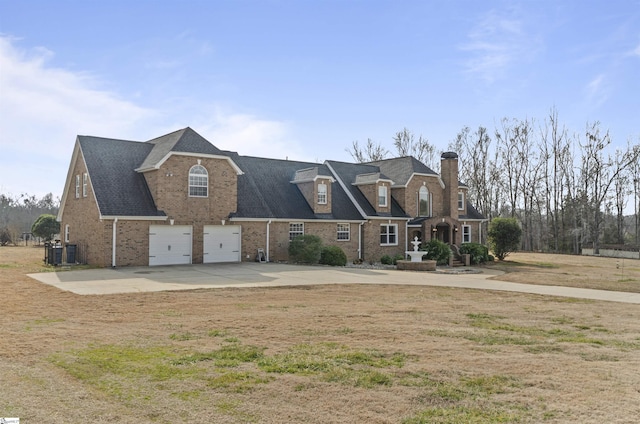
(178, 199)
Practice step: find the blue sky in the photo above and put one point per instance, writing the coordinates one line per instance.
(302, 79)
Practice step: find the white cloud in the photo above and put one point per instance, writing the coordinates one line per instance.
(597, 91)
(248, 135)
(495, 44)
(43, 108)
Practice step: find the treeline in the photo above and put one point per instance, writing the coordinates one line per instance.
(567, 189)
(18, 213)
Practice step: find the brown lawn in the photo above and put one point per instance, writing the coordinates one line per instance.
(573, 271)
(323, 354)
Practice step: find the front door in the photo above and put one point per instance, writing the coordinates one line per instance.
(443, 233)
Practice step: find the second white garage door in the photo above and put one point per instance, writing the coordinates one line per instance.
(221, 243)
(169, 244)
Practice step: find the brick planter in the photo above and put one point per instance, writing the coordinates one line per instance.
(416, 266)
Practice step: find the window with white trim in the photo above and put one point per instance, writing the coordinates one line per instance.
(460, 200)
(66, 233)
(85, 184)
(198, 181)
(295, 229)
(322, 194)
(466, 233)
(389, 235)
(344, 232)
(382, 196)
(423, 202)
(77, 186)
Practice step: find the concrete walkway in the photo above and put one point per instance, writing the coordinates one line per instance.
(188, 277)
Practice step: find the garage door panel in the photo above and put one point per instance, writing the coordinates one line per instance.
(221, 243)
(170, 245)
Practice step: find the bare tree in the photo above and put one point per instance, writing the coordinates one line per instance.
(406, 145)
(371, 152)
(478, 168)
(599, 171)
(555, 147)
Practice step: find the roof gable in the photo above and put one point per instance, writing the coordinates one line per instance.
(184, 141)
(119, 190)
(400, 170)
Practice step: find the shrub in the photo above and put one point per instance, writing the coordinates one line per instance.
(5, 236)
(504, 236)
(479, 253)
(398, 257)
(436, 251)
(46, 227)
(305, 249)
(386, 260)
(333, 255)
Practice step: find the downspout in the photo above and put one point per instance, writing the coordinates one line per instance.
(360, 241)
(113, 244)
(406, 237)
(267, 253)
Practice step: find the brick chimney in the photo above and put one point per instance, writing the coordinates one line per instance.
(449, 175)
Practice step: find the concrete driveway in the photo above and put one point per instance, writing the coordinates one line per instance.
(249, 274)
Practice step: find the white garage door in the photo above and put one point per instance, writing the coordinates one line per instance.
(169, 244)
(221, 243)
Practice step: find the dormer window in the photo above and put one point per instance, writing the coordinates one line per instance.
(198, 181)
(382, 196)
(461, 200)
(322, 194)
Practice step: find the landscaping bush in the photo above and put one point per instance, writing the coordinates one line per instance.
(479, 253)
(504, 236)
(398, 257)
(386, 260)
(435, 250)
(46, 227)
(305, 249)
(333, 255)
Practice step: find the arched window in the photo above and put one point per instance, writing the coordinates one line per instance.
(198, 181)
(423, 202)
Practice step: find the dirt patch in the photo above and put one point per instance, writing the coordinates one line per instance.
(316, 354)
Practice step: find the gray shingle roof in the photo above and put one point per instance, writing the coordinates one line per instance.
(401, 169)
(118, 188)
(185, 140)
(348, 173)
(266, 191)
(472, 213)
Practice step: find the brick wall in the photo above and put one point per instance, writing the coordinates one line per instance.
(81, 215)
(309, 190)
(254, 237)
(170, 188)
(372, 250)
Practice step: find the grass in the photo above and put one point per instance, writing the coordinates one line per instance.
(495, 330)
(464, 414)
(42, 322)
(454, 397)
(133, 373)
